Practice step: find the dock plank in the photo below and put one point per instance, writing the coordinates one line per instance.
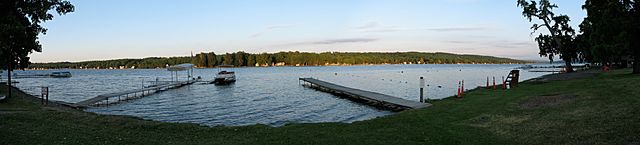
(368, 95)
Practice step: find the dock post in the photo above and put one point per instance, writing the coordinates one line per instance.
(422, 89)
(45, 95)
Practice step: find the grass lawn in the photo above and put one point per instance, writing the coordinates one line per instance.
(604, 109)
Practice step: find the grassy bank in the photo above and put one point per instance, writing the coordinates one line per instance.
(604, 108)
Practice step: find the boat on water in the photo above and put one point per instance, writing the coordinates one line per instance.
(225, 77)
(64, 74)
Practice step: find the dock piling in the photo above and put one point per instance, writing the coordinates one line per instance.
(422, 89)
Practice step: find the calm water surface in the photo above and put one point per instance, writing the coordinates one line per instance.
(269, 96)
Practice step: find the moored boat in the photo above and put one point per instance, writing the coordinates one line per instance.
(64, 74)
(225, 77)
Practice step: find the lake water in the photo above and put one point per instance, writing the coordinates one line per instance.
(271, 95)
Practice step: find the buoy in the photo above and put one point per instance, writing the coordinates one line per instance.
(494, 83)
(458, 89)
(462, 92)
(487, 82)
(504, 84)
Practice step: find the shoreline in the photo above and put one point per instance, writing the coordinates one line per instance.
(283, 66)
(69, 105)
(515, 116)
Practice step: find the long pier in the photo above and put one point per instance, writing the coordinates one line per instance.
(371, 98)
(130, 94)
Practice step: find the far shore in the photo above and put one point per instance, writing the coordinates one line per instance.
(126, 68)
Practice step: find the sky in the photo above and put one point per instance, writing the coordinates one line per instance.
(113, 29)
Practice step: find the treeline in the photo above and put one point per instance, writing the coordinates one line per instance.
(611, 32)
(608, 35)
(242, 59)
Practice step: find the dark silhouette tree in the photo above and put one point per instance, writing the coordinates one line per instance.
(611, 31)
(20, 25)
(635, 35)
(559, 40)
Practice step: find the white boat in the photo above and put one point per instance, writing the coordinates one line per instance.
(64, 74)
(225, 77)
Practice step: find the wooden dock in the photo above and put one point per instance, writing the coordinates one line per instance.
(367, 97)
(130, 94)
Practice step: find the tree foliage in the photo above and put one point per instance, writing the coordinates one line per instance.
(559, 39)
(610, 32)
(20, 25)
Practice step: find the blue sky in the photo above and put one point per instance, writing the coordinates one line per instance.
(109, 29)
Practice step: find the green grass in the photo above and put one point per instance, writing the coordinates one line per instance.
(601, 110)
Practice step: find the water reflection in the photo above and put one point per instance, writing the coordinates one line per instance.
(269, 96)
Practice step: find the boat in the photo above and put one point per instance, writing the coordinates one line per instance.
(64, 74)
(225, 77)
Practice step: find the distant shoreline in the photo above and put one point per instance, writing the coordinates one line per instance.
(242, 59)
(280, 66)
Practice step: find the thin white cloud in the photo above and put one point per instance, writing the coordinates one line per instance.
(348, 40)
(374, 27)
(333, 41)
(450, 29)
(368, 25)
(271, 28)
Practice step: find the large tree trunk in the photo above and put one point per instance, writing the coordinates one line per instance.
(568, 67)
(9, 62)
(636, 65)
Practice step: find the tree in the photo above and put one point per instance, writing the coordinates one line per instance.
(20, 25)
(560, 38)
(611, 30)
(635, 31)
(228, 59)
(202, 60)
(240, 59)
(251, 60)
(211, 59)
